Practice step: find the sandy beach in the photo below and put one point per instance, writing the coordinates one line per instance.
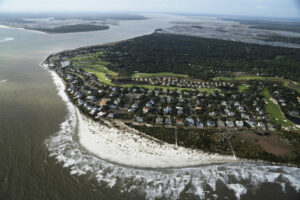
(128, 147)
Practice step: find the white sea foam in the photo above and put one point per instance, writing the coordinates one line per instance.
(167, 183)
(238, 189)
(3, 81)
(6, 39)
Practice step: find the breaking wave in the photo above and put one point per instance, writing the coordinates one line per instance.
(167, 183)
(6, 39)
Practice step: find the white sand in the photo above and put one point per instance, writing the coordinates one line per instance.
(129, 148)
(167, 183)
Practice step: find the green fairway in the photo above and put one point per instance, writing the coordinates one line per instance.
(287, 83)
(239, 78)
(101, 76)
(274, 111)
(144, 75)
(243, 87)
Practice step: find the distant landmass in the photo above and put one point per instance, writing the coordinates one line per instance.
(292, 26)
(72, 28)
(65, 23)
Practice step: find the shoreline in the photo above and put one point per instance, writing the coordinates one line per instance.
(91, 127)
(135, 153)
(167, 183)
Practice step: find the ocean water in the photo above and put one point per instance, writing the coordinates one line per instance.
(40, 157)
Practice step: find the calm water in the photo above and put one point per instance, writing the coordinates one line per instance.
(31, 112)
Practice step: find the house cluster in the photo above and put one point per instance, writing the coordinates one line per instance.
(182, 83)
(287, 99)
(162, 107)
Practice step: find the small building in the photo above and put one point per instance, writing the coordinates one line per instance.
(245, 116)
(168, 121)
(92, 98)
(139, 119)
(146, 110)
(80, 102)
(250, 123)
(66, 63)
(198, 108)
(212, 114)
(104, 101)
(179, 122)
(190, 121)
(236, 104)
(221, 123)
(167, 110)
(210, 123)
(200, 124)
(111, 115)
(239, 123)
(113, 106)
(70, 77)
(94, 111)
(261, 125)
(101, 114)
(229, 123)
(159, 120)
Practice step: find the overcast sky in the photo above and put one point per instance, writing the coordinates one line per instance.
(275, 8)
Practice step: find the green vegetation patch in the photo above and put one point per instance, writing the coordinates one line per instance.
(274, 111)
(240, 78)
(243, 87)
(144, 75)
(74, 28)
(101, 76)
(202, 58)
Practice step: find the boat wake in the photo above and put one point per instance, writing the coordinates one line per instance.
(171, 183)
(6, 39)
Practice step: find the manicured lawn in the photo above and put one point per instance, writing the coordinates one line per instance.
(101, 76)
(274, 111)
(239, 78)
(144, 75)
(287, 83)
(243, 87)
(102, 68)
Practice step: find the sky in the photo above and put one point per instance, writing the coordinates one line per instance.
(266, 8)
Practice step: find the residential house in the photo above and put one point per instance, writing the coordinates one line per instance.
(210, 123)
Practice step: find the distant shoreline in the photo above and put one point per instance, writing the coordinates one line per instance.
(79, 28)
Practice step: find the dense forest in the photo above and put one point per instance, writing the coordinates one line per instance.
(201, 57)
(73, 28)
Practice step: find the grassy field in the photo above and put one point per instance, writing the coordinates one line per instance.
(101, 76)
(243, 87)
(287, 83)
(239, 78)
(93, 64)
(103, 69)
(275, 112)
(144, 75)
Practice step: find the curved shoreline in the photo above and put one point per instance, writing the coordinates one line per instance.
(187, 157)
(129, 148)
(168, 183)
